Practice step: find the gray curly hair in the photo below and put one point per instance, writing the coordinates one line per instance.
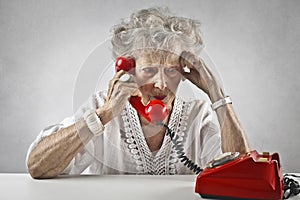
(156, 29)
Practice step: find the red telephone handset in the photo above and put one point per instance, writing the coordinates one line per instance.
(155, 111)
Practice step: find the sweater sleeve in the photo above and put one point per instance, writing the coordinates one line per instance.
(83, 159)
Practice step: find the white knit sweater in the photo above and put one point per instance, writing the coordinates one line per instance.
(122, 148)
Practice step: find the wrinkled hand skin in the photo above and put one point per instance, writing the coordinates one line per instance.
(118, 94)
(233, 137)
(200, 75)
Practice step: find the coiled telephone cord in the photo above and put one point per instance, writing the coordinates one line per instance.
(179, 150)
(291, 187)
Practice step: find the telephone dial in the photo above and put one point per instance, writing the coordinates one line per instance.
(231, 175)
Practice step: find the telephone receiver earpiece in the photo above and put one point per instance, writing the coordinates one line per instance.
(125, 63)
(156, 110)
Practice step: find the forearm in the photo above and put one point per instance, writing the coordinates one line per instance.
(53, 154)
(233, 136)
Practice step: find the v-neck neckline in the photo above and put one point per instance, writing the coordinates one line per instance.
(165, 141)
(162, 161)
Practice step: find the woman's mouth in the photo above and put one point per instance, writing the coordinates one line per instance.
(160, 97)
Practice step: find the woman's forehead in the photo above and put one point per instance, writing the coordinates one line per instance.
(157, 57)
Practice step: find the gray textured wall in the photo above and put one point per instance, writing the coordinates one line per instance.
(254, 44)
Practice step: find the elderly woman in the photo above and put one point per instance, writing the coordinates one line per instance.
(109, 136)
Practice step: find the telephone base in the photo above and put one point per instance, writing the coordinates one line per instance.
(242, 176)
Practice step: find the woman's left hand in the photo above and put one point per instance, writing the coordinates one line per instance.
(199, 74)
(232, 134)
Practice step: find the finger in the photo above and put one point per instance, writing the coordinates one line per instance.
(193, 63)
(121, 97)
(186, 68)
(119, 74)
(126, 95)
(188, 59)
(113, 81)
(126, 88)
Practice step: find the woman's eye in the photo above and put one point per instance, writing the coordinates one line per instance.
(149, 70)
(171, 71)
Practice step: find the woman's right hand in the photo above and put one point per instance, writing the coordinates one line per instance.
(118, 94)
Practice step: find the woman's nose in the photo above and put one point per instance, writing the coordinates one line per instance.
(161, 85)
(160, 80)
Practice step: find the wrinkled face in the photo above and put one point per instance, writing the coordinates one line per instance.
(157, 77)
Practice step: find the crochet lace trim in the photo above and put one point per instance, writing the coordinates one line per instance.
(146, 162)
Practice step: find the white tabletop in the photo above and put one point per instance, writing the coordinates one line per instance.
(140, 187)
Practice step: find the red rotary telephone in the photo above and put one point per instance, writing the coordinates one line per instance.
(242, 176)
(155, 111)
